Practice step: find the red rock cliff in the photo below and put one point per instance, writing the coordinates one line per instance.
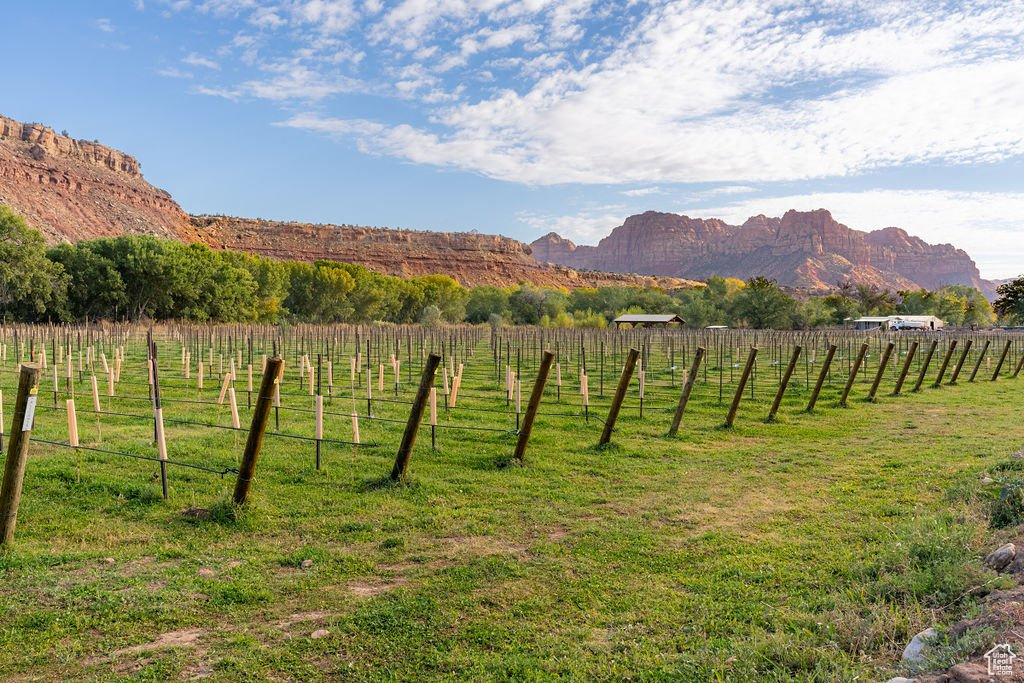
(802, 249)
(76, 189)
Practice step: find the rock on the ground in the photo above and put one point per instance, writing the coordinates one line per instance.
(306, 564)
(901, 679)
(913, 653)
(970, 672)
(1001, 557)
(320, 633)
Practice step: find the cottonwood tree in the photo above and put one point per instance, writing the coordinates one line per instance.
(1009, 305)
(29, 282)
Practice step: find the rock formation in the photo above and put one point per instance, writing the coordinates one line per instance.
(807, 250)
(469, 257)
(76, 189)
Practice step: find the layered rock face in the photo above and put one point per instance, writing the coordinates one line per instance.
(471, 258)
(74, 189)
(809, 250)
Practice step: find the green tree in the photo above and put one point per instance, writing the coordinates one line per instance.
(485, 301)
(840, 307)
(761, 304)
(95, 288)
(873, 300)
(29, 282)
(1009, 303)
(444, 293)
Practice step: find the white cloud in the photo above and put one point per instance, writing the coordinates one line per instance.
(642, 191)
(987, 225)
(174, 72)
(674, 91)
(105, 25)
(586, 227)
(196, 60)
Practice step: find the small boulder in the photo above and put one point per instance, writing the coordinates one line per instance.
(901, 679)
(1000, 558)
(320, 633)
(913, 653)
(987, 480)
(307, 564)
(970, 672)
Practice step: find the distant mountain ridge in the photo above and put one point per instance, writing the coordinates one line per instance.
(802, 249)
(74, 190)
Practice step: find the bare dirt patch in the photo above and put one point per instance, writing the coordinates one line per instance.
(188, 637)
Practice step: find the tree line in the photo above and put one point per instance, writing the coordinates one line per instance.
(136, 277)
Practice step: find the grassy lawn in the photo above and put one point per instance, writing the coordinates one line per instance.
(808, 549)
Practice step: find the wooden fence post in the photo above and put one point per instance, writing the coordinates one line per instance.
(17, 451)
(620, 395)
(924, 366)
(853, 374)
(1002, 359)
(533, 405)
(960, 363)
(419, 405)
(684, 398)
(881, 371)
(785, 382)
(945, 363)
(751, 357)
(260, 417)
(1020, 366)
(905, 369)
(821, 377)
(981, 357)
(158, 425)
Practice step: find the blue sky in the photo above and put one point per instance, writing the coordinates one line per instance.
(525, 117)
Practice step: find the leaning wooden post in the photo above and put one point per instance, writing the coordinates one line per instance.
(853, 374)
(260, 417)
(821, 377)
(620, 395)
(785, 382)
(751, 357)
(419, 405)
(17, 450)
(1020, 366)
(960, 363)
(881, 371)
(906, 368)
(981, 357)
(945, 363)
(924, 366)
(1002, 359)
(533, 405)
(684, 398)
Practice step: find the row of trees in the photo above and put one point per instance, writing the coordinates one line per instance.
(135, 277)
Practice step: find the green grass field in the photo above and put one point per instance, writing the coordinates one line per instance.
(808, 549)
